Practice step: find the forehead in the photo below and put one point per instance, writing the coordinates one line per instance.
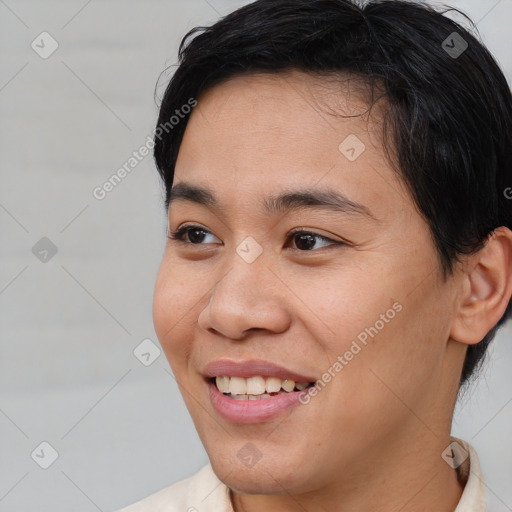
(274, 131)
(326, 96)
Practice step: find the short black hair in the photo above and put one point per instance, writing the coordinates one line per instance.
(449, 120)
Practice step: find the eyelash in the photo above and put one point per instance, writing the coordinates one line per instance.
(178, 235)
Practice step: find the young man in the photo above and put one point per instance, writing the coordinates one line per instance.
(340, 254)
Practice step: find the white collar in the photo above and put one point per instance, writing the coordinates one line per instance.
(474, 496)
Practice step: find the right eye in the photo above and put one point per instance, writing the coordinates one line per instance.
(192, 231)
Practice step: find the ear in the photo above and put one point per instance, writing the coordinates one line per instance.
(485, 289)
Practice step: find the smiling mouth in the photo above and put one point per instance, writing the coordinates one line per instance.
(257, 387)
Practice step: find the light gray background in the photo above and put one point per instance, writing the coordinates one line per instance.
(68, 375)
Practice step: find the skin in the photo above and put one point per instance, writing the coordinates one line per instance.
(372, 438)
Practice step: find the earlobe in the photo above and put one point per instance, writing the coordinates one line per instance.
(486, 289)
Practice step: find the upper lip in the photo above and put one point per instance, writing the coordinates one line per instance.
(252, 368)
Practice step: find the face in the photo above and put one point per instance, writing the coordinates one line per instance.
(355, 303)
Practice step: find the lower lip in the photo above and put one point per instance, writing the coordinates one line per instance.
(252, 411)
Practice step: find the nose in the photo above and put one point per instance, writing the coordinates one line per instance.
(249, 296)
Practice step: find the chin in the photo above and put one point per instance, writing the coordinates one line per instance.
(264, 477)
(251, 480)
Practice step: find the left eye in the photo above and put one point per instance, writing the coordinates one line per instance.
(305, 239)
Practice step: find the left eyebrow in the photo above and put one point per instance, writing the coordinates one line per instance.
(326, 199)
(281, 203)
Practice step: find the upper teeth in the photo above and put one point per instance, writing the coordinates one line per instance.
(256, 385)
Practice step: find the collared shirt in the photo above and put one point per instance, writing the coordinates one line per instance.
(204, 492)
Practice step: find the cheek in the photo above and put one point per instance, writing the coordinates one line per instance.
(400, 360)
(370, 318)
(174, 305)
(343, 304)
